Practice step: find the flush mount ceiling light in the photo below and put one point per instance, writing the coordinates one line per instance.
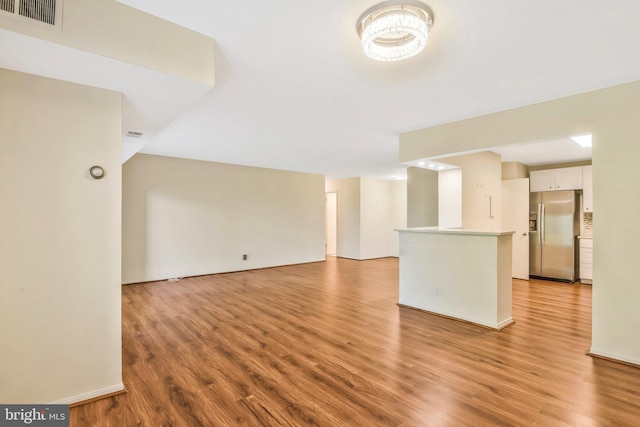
(392, 30)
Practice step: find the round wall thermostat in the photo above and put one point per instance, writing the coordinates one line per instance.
(96, 172)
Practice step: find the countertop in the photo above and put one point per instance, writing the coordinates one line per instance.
(458, 231)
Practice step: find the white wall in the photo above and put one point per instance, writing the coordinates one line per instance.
(348, 195)
(186, 217)
(611, 115)
(375, 218)
(368, 211)
(398, 213)
(450, 198)
(60, 241)
(331, 223)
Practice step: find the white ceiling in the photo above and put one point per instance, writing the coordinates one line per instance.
(544, 152)
(293, 90)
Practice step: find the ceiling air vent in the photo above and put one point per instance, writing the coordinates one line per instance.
(8, 5)
(47, 13)
(134, 134)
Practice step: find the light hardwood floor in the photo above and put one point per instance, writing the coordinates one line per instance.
(325, 344)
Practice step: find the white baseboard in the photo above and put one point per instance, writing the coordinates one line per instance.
(505, 323)
(596, 352)
(437, 312)
(89, 395)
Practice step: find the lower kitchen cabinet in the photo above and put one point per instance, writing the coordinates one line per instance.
(586, 260)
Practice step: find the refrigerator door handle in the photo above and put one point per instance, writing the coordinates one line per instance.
(539, 225)
(542, 236)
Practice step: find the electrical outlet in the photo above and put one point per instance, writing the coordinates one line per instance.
(244, 257)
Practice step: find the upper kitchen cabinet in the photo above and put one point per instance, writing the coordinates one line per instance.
(587, 189)
(556, 179)
(542, 180)
(569, 178)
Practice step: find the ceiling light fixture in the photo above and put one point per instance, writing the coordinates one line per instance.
(582, 140)
(395, 30)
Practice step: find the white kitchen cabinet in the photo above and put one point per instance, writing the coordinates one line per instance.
(542, 180)
(569, 178)
(586, 260)
(587, 189)
(556, 179)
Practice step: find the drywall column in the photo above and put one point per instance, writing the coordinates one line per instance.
(422, 197)
(60, 241)
(616, 318)
(481, 189)
(398, 213)
(375, 218)
(450, 198)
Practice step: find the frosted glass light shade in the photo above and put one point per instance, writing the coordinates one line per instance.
(392, 32)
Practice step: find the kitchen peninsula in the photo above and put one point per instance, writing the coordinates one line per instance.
(458, 273)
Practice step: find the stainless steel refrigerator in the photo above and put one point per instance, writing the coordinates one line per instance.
(554, 224)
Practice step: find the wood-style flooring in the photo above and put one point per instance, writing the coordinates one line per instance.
(325, 344)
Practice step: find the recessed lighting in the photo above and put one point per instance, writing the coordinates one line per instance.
(431, 165)
(582, 140)
(440, 167)
(421, 164)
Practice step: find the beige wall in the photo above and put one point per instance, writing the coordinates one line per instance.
(611, 115)
(514, 170)
(559, 165)
(422, 197)
(481, 189)
(60, 240)
(187, 217)
(112, 29)
(369, 209)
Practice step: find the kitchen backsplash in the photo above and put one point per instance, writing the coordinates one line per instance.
(588, 220)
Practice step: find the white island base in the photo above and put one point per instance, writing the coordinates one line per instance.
(457, 273)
